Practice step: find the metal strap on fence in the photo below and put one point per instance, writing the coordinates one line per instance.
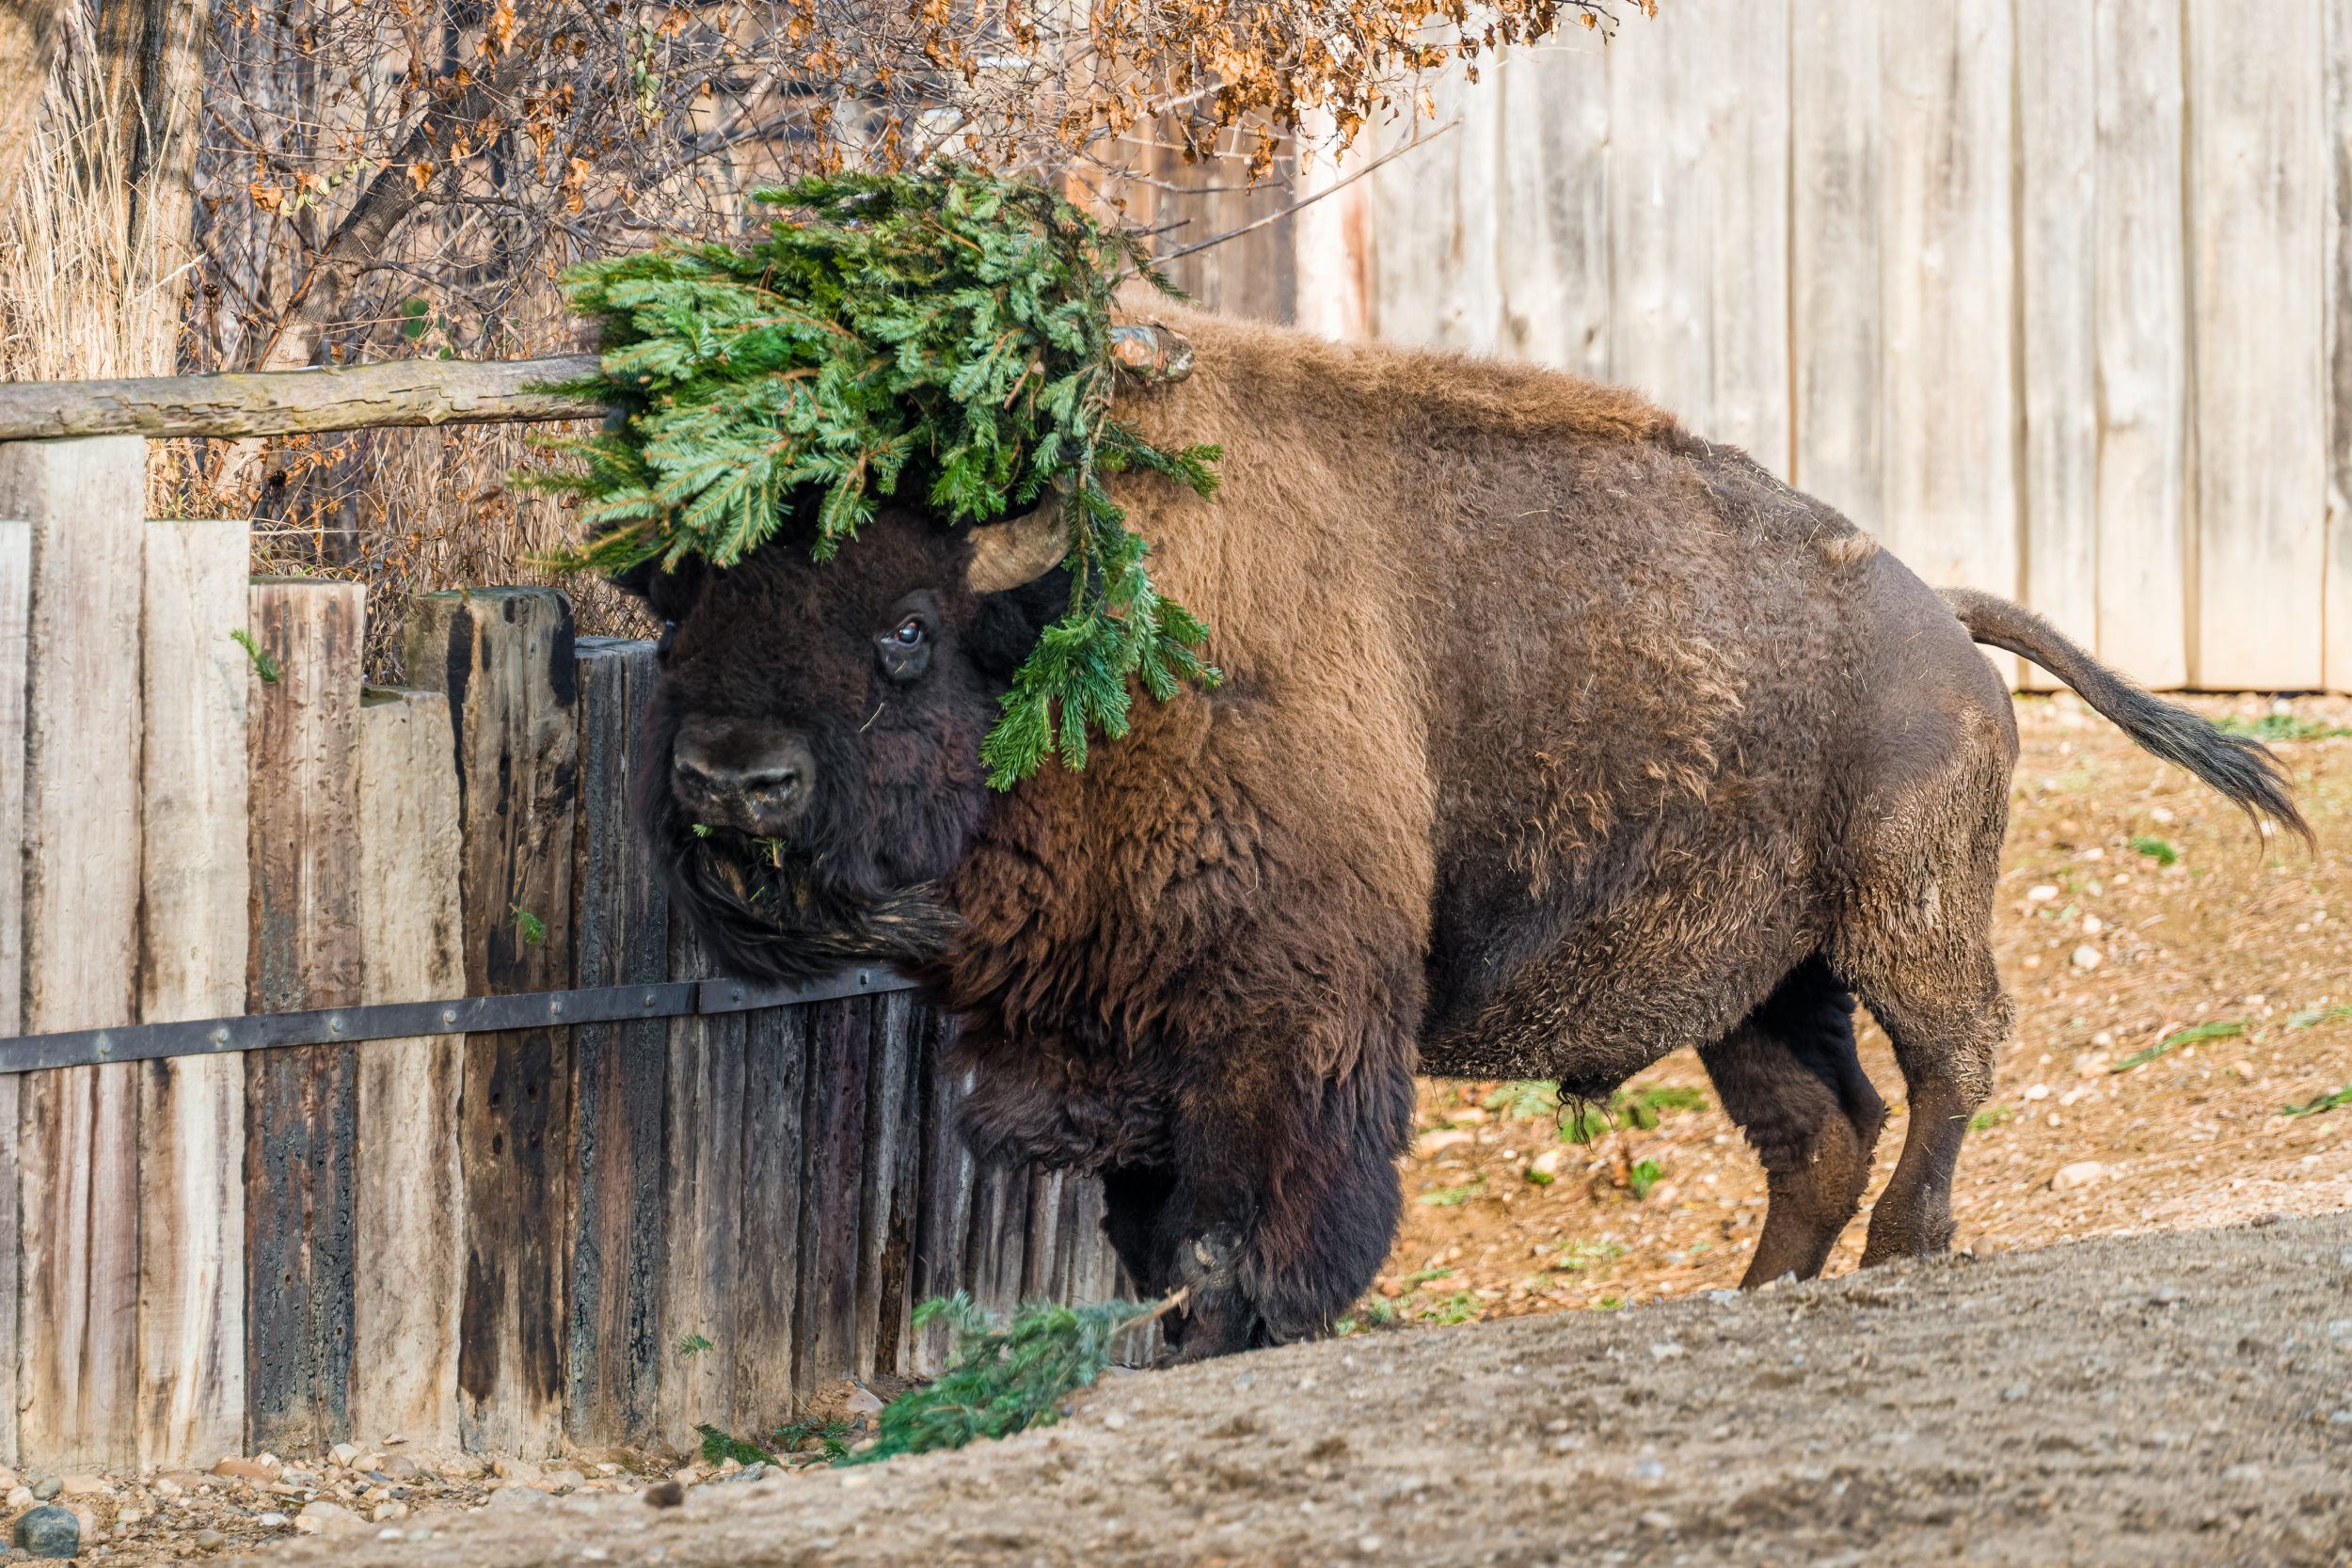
(391, 1020)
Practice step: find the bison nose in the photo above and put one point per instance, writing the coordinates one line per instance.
(742, 774)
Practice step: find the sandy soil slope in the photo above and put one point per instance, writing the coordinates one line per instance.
(2174, 1399)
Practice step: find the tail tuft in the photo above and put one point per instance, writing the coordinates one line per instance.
(2242, 768)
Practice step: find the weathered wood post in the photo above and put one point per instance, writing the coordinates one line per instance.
(409, 1206)
(193, 951)
(620, 1243)
(702, 1208)
(503, 657)
(78, 1154)
(16, 589)
(301, 1103)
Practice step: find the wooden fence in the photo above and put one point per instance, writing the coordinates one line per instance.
(2054, 296)
(585, 1234)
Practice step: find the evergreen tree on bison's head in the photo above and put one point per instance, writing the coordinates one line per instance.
(1552, 739)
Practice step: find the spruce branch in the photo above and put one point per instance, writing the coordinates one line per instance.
(940, 336)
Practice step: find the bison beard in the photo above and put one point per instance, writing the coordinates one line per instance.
(1554, 739)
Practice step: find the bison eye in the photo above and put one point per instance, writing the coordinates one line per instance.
(905, 650)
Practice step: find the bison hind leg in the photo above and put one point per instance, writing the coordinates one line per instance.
(1788, 1076)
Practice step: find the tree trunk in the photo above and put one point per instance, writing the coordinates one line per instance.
(30, 31)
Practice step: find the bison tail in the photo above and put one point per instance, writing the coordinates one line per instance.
(2242, 768)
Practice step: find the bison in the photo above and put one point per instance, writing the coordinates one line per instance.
(1552, 739)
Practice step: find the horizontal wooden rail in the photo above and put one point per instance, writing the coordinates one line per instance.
(393, 394)
(287, 402)
(393, 1021)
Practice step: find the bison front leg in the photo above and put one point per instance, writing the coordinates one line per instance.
(1281, 1199)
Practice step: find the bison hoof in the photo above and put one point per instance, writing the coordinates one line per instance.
(1216, 1319)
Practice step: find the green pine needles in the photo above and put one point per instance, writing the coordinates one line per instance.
(942, 336)
(1001, 1379)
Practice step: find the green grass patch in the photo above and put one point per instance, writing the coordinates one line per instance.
(2324, 1103)
(1639, 1108)
(2311, 1016)
(1454, 1197)
(2283, 726)
(719, 1446)
(263, 665)
(2158, 850)
(1990, 1117)
(1459, 1307)
(1528, 1100)
(1577, 1257)
(2222, 1029)
(1643, 1179)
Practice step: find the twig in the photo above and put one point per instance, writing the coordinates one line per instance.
(1173, 1300)
(1336, 185)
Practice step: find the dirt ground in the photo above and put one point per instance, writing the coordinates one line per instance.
(2179, 1398)
(2172, 1399)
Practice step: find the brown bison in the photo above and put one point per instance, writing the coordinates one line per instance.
(1552, 739)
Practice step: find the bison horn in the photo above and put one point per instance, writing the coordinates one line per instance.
(1020, 549)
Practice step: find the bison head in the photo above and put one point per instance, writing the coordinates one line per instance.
(814, 740)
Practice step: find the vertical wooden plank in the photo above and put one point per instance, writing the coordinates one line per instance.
(1043, 1203)
(1833, 128)
(1742, 55)
(1331, 238)
(1000, 1230)
(78, 1160)
(2142, 336)
(619, 1236)
(504, 658)
(1659, 259)
(193, 939)
(409, 1193)
(704, 1198)
(16, 589)
(2257, 205)
(1552, 196)
(1946, 292)
(2057, 303)
(895, 1347)
(303, 849)
(2337, 629)
(945, 1231)
(831, 1186)
(1435, 276)
(768, 1277)
(882, 1226)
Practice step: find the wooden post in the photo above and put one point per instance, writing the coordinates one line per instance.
(1658, 229)
(1551, 194)
(619, 1249)
(2140, 260)
(16, 589)
(503, 656)
(768, 1280)
(943, 1238)
(831, 1186)
(884, 1220)
(2338, 594)
(301, 1103)
(410, 1192)
(78, 1151)
(1833, 121)
(703, 1207)
(193, 950)
(2257, 177)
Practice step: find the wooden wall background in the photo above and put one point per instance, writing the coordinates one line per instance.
(2054, 295)
(500, 1240)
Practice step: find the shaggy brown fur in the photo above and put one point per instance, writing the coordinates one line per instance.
(1552, 739)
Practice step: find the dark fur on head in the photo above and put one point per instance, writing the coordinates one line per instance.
(899, 785)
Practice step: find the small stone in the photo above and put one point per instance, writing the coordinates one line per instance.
(686, 1476)
(519, 1497)
(400, 1467)
(664, 1493)
(2082, 1173)
(389, 1510)
(50, 1531)
(84, 1486)
(2042, 892)
(327, 1516)
(19, 1497)
(272, 1521)
(862, 1402)
(1368, 1544)
(1113, 1419)
(562, 1481)
(208, 1540)
(2088, 957)
(2170, 1296)
(1653, 1519)
(7, 1478)
(1665, 1350)
(1648, 1471)
(47, 1487)
(253, 1471)
(344, 1453)
(515, 1470)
